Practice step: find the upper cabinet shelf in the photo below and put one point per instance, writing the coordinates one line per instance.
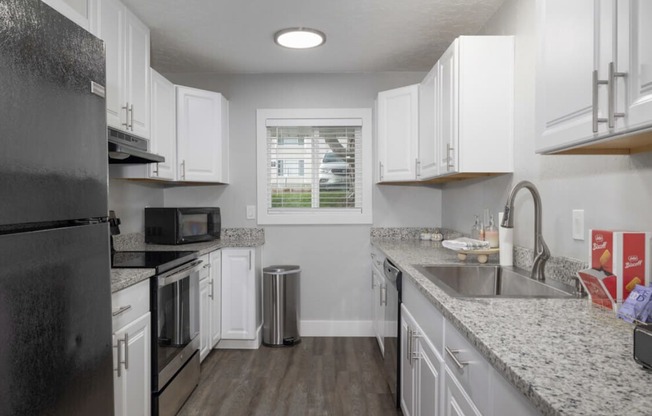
(458, 123)
(594, 83)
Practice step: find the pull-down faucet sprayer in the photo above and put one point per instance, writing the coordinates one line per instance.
(541, 251)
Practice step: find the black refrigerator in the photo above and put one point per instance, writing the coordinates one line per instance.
(55, 289)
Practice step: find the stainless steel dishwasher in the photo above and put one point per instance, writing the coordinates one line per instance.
(392, 328)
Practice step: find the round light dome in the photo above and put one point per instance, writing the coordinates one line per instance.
(299, 38)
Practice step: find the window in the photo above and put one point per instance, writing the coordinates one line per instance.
(314, 166)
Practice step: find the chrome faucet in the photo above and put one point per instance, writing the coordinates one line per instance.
(541, 251)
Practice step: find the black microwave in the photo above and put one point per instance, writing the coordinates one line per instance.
(182, 225)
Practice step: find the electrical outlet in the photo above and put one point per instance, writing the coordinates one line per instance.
(578, 224)
(251, 212)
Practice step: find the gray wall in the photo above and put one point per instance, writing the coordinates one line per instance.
(614, 191)
(335, 291)
(128, 199)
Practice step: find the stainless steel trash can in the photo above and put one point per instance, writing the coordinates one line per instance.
(281, 305)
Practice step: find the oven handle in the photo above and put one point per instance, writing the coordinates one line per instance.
(175, 276)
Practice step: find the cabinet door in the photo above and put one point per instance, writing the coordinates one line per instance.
(216, 297)
(204, 318)
(378, 309)
(398, 133)
(163, 139)
(407, 368)
(456, 401)
(634, 58)
(429, 371)
(428, 166)
(137, 74)
(238, 294)
(200, 143)
(108, 20)
(132, 388)
(564, 73)
(448, 114)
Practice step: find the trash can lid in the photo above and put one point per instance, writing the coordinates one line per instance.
(282, 269)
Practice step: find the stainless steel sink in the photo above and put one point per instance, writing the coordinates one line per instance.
(490, 281)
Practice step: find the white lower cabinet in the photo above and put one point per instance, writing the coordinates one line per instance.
(241, 297)
(379, 300)
(442, 373)
(421, 370)
(210, 308)
(132, 351)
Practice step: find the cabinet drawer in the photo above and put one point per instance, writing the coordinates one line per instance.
(129, 304)
(471, 369)
(205, 270)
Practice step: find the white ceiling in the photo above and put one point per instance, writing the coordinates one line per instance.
(236, 36)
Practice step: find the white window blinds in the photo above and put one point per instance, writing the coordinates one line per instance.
(314, 165)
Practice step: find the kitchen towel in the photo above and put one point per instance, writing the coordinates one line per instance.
(464, 243)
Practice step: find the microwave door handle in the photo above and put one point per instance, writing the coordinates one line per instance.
(165, 280)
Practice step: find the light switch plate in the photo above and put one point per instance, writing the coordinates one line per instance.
(251, 212)
(578, 224)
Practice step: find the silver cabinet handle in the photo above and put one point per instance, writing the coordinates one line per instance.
(417, 167)
(373, 281)
(408, 350)
(126, 346)
(449, 158)
(249, 259)
(380, 172)
(119, 360)
(121, 310)
(155, 170)
(596, 83)
(212, 294)
(612, 94)
(183, 170)
(206, 266)
(131, 123)
(413, 354)
(126, 108)
(383, 295)
(453, 355)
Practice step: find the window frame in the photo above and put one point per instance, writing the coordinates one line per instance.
(303, 216)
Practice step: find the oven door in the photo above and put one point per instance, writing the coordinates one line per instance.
(177, 321)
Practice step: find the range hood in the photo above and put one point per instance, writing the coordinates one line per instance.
(127, 149)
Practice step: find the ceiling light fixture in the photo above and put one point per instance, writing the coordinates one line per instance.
(299, 38)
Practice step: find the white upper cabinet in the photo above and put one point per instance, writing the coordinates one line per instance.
(458, 123)
(398, 134)
(163, 139)
(595, 90)
(127, 47)
(476, 106)
(202, 135)
(429, 125)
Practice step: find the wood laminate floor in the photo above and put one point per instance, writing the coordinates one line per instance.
(319, 376)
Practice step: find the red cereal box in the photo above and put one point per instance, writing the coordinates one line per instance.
(624, 257)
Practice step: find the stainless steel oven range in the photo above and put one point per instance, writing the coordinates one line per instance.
(174, 306)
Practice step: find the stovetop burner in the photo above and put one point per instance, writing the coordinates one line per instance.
(162, 261)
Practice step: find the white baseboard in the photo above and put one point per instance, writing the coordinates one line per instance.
(241, 344)
(336, 329)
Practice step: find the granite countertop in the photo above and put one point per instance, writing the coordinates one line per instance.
(566, 356)
(236, 237)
